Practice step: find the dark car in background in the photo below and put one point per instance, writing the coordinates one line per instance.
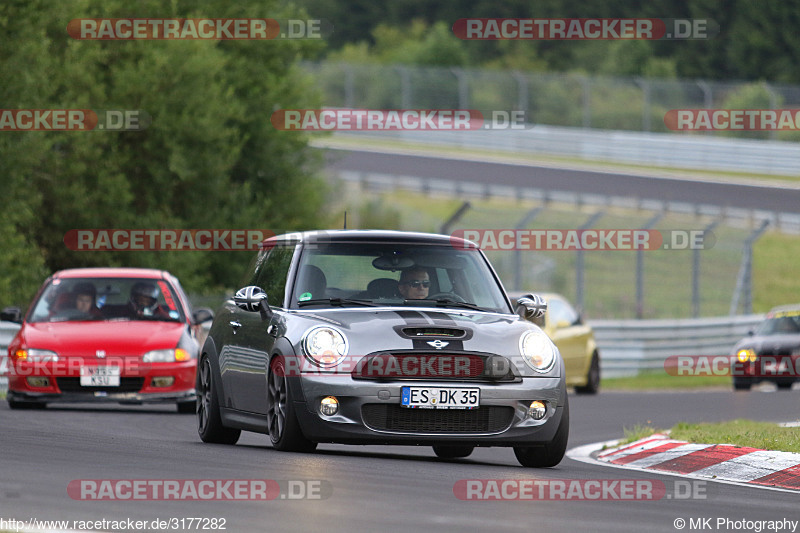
(124, 335)
(771, 353)
(381, 337)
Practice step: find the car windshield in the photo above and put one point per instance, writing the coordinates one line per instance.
(784, 323)
(97, 299)
(364, 274)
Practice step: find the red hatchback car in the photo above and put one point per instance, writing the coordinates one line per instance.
(124, 335)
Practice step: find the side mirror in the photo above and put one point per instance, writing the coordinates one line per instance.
(252, 298)
(751, 332)
(203, 314)
(11, 314)
(530, 306)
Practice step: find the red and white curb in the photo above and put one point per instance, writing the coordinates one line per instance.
(716, 462)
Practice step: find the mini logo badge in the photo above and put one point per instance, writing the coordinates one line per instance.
(100, 353)
(438, 344)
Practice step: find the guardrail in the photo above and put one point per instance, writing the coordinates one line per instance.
(641, 148)
(628, 347)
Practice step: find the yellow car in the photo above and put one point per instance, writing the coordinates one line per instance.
(575, 341)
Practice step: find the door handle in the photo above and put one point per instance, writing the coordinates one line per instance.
(235, 325)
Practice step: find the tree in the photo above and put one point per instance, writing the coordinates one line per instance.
(210, 157)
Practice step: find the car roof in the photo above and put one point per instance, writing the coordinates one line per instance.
(369, 236)
(112, 272)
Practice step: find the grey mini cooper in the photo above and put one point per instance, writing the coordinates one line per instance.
(382, 337)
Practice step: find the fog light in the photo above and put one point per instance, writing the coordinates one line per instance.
(35, 381)
(163, 381)
(537, 410)
(329, 406)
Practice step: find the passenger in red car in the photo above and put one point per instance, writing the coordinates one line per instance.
(86, 300)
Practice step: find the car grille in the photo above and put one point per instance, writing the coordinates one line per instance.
(392, 417)
(125, 385)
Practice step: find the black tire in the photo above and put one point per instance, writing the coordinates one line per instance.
(209, 422)
(187, 408)
(453, 452)
(551, 453)
(592, 377)
(784, 385)
(17, 404)
(742, 384)
(284, 430)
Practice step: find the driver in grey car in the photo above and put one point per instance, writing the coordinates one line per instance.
(414, 284)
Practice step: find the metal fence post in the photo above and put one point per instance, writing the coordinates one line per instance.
(455, 217)
(744, 281)
(522, 224)
(696, 270)
(645, 86)
(579, 261)
(773, 104)
(463, 87)
(349, 93)
(405, 87)
(587, 102)
(640, 270)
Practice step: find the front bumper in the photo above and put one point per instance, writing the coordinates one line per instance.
(98, 396)
(365, 406)
(136, 383)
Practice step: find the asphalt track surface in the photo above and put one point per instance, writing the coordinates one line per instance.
(726, 194)
(370, 488)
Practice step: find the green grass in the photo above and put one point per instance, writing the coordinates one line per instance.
(663, 381)
(739, 432)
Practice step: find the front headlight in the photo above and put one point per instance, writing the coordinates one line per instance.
(537, 350)
(325, 346)
(34, 355)
(166, 356)
(745, 354)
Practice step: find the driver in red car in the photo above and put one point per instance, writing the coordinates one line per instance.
(144, 301)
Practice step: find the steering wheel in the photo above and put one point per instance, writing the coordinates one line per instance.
(447, 296)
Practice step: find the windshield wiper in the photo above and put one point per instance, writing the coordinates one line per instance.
(449, 302)
(337, 302)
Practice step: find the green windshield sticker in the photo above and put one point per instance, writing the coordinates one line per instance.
(305, 296)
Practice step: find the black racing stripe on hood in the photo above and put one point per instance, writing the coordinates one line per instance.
(413, 318)
(437, 317)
